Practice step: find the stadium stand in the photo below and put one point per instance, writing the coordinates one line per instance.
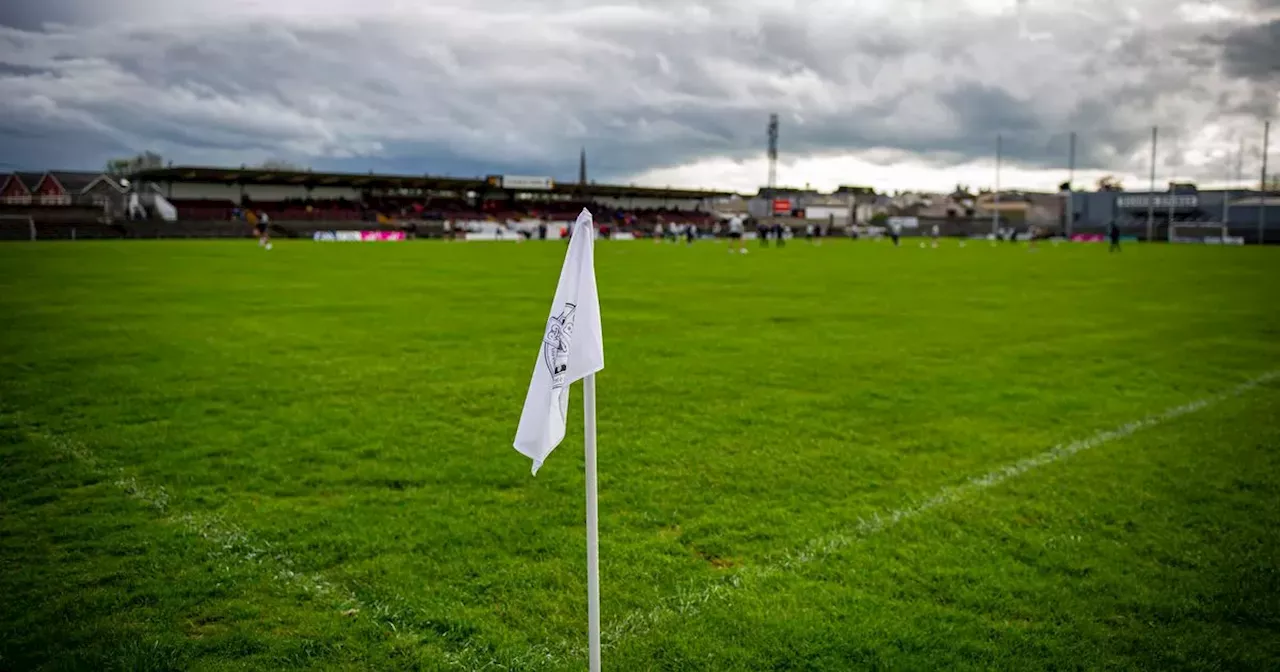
(307, 210)
(204, 209)
(214, 202)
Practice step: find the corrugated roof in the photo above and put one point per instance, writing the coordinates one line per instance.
(208, 174)
(75, 181)
(29, 179)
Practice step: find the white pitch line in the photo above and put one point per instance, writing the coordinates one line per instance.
(686, 603)
(229, 541)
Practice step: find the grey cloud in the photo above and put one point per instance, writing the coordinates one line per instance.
(14, 69)
(1253, 51)
(1258, 103)
(35, 14)
(57, 145)
(474, 88)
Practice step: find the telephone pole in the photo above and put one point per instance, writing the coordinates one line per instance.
(1071, 187)
(1151, 195)
(1262, 191)
(995, 201)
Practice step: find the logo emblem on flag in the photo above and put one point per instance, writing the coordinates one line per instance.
(571, 349)
(555, 346)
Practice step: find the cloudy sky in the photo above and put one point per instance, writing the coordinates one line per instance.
(891, 93)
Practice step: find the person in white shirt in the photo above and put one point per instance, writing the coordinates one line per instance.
(657, 232)
(735, 235)
(934, 232)
(264, 230)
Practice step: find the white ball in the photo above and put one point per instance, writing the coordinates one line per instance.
(921, 244)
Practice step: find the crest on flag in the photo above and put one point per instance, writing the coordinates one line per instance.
(571, 349)
(555, 345)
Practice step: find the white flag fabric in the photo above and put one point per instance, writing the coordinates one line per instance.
(572, 348)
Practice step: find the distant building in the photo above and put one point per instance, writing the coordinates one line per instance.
(834, 209)
(1021, 207)
(62, 188)
(1181, 203)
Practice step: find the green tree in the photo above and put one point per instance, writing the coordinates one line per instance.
(129, 165)
(1109, 183)
(282, 165)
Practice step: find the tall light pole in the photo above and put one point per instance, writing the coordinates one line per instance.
(773, 154)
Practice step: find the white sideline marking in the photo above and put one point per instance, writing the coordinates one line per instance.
(234, 543)
(686, 602)
(229, 540)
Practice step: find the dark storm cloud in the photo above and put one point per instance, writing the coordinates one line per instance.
(1253, 51)
(35, 14)
(480, 87)
(15, 70)
(56, 144)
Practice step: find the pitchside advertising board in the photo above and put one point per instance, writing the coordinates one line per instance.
(357, 236)
(527, 182)
(1166, 201)
(1100, 238)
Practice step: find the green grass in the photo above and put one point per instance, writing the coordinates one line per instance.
(219, 458)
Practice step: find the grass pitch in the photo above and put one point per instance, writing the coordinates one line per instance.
(220, 458)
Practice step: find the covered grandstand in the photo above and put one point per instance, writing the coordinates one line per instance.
(205, 201)
(297, 202)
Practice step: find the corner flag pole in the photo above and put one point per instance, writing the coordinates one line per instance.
(571, 349)
(593, 528)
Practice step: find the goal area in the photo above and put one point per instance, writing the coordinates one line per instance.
(1205, 233)
(17, 227)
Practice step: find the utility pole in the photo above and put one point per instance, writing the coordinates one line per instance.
(995, 203)
(1240, 163)
(1151, 195)
(1071, 188)
(1262, 204)
(1226, 194)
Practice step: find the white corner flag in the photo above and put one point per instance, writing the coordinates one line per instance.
(572, 349)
